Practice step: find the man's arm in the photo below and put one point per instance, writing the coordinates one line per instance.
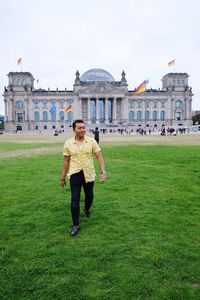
(64, 170)
(100, 160)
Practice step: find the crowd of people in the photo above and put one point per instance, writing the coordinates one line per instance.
(140, 131)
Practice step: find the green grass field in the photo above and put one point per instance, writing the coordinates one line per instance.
(142, 243)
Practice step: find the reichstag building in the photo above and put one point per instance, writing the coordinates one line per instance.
(97, 98)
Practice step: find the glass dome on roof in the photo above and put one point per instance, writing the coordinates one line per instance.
(96, 75)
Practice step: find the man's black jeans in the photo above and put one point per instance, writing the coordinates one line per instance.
(76, 182)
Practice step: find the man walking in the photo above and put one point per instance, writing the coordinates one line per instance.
(78, 160)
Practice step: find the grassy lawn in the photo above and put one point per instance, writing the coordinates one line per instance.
(143, 242)
(13, 146)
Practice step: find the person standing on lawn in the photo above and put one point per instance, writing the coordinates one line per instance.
(78, 162)
(96, 134)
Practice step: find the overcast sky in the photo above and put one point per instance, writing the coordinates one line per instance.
(55, 38)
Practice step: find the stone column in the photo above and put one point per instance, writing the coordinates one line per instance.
(188, 108)
(11, 116)
(49, 113)
(97, 110)
(81, 112)
(25, 109)
(171, 112)
(6, 109)
(114, 108)
(89, 117)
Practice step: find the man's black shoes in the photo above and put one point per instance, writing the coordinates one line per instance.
(88, 214)
(74, 230)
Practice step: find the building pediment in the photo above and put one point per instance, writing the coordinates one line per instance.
(101, 88)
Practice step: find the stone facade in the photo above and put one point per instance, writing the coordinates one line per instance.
(97, 99)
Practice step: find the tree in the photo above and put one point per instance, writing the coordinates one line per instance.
(195, 119)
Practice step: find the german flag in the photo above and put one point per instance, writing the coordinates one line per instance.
(68, 109)
(141, 88)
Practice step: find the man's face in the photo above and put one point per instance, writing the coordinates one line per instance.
(79, 130)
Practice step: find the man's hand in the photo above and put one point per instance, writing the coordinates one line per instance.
(62, 182)
(103, 177)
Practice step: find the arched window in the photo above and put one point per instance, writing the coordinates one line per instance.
(139, 116)
(19, 105)
(178, 103)
(162, 115)
(70, 116)
(154, 116)
(131, 116)
(37, 116)
(45, 116)
(147, 115)
(62, 116)
(53, 116)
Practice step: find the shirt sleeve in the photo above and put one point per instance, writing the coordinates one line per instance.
(95, 147)
(66, 150)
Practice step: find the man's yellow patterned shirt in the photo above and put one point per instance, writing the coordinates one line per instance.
(81, 157)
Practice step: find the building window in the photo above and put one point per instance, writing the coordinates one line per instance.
(162, 104)
(53, 116)
(154, 116)
(62, 116)
(139, 116)
(20, 117)
(162, 115)
(37, 116)
(44, 104)
(45, 127)
(53, 104)
(154, 104)
(139, 104)
(36, 105)
(131, 116)
(70, 117)
(19, 105)
(45, 116)
(146, 103)
(178, 103)
(62, 104)
(19, 127)
(178, 116)
(130, 102)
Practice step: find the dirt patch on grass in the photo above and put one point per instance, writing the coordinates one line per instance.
(30, 152)
(109, 140)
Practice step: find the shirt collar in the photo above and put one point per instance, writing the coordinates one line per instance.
(84, 141)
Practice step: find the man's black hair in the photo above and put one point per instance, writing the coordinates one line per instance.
(75, 122)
